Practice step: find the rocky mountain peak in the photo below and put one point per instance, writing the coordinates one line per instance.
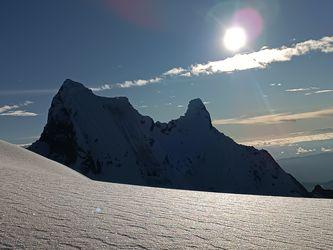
(197, 110)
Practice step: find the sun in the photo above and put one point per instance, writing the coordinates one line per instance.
(234, 38)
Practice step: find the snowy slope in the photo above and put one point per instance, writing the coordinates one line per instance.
(45, 205)
(107, 139)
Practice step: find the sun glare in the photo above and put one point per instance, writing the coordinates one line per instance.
(234, 38)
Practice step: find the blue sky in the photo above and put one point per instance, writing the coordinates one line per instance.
(275, 93)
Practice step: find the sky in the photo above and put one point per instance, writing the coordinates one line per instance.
(276, 92)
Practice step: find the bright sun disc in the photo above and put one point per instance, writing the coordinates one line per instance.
(234, 38)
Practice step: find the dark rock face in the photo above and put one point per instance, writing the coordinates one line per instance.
(319, 192)
(59, 135)
(107, 139)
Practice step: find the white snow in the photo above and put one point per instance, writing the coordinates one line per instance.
(46, 205)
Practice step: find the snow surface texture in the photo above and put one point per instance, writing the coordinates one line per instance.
(107, 139)
(46, 205)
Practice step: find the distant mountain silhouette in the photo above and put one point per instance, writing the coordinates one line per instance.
(107, 139)
(319, 192)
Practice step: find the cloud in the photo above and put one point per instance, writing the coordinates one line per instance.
(301, 150)
(12, 110)
(262, 58)
(7, 108)
(291, 139)
(255, 60)
(311, 89)
(174, 71)
(18, 113)
(127, 84)
(323, 91)
(143, 106)
(275, 84)
(276, 118)
(326, 149)
(301, 89)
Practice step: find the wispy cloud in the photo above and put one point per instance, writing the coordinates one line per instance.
(276, 118)
(301, 89)
(18, 113)
(323, 91)
(14, 110)
(291, 139)
(254, 60)
(309, 90)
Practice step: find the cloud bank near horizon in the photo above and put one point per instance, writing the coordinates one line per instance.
(255, 60)
(292, 139)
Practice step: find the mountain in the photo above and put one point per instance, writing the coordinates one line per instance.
(316, 168)
(107, 139)
(328, 185)
(46, 205)
(320, 192)
(311, 185)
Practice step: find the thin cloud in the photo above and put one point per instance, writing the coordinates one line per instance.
(276, 118)
(13, 110)
(301, 89)
(255, 60)
(290, 140)
(323, 91)
(19, 113)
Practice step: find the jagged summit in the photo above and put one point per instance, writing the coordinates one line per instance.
(196, 109)
(107, 139)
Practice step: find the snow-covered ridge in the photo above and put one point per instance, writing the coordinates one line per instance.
(107, 139)
(45, 205)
